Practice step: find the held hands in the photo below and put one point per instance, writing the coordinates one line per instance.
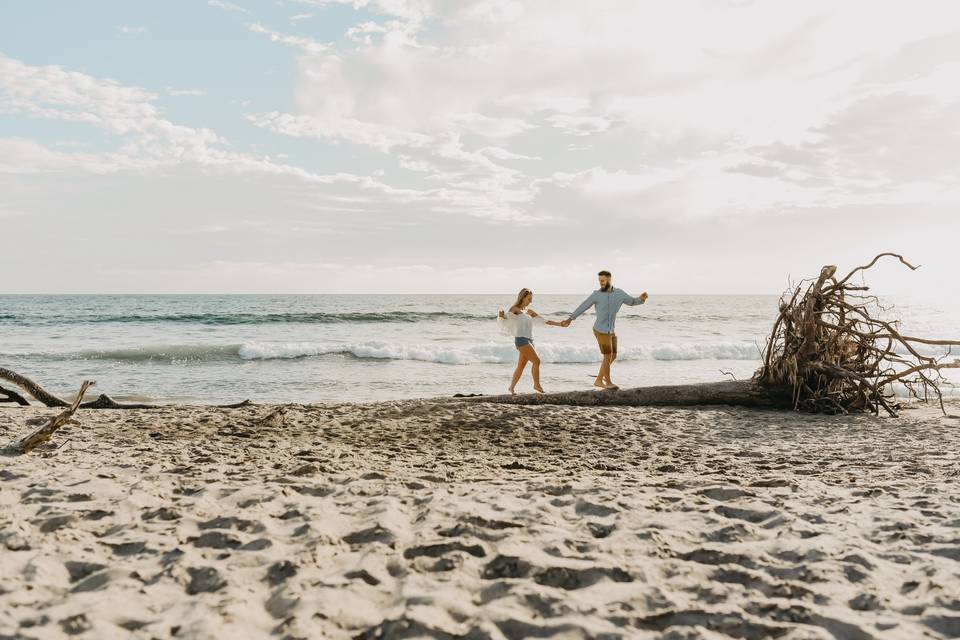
(644, 296)
(502, 314)
(565, 323)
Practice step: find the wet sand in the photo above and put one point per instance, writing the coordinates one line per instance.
(453, 520)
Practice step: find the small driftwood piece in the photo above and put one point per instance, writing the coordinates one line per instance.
(237, 405)
(30, 442)
(8, 395)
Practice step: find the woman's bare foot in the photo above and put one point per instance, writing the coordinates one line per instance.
(600, 383)
(512, 392)
(539, 389)
(611, 386)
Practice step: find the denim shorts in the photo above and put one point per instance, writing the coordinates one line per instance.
(522, 342)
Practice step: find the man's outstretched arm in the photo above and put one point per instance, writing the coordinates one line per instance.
(586, 304)
(631, 301)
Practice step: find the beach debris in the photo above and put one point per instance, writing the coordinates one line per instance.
(833, 349)
(29, 442)
(274, 419)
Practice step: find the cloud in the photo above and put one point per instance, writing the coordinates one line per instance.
(490, 127)
(458, 93)
(365, 31)
(24, 156)
(131, 31)
(147, 138)
(300, 16)
(53, 92)
(6, 212)
(185, 92)
(414, 12)
(305, 44)
(148, 141)
(383, 138)
(553, 120)
(579, 125)
(227, 6)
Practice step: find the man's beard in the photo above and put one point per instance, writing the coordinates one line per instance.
(605, 287)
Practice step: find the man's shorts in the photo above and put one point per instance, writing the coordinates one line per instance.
(607, 342)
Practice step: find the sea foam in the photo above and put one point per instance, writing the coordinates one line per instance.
(495, 352)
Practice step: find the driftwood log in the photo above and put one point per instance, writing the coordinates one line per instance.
(31, 441)
(48, 399)
(741, 393)
(829, 351)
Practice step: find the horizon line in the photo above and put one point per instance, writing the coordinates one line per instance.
(325, 293)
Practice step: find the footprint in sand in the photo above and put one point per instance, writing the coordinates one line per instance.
(204, 580)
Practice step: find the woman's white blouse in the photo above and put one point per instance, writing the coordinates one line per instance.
(519, 326)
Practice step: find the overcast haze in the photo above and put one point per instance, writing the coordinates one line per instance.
(416, 145)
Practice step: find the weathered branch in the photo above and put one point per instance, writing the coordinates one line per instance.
(237, 405)
(873, 262)
(41, 435)
(8, 395)
(104, 401)
(31, 387)
(920, 368)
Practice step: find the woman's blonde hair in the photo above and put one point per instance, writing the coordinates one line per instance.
(520, 297)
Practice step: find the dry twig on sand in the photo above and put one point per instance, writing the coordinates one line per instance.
(29, 442)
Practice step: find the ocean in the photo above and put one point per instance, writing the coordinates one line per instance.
(357, 348)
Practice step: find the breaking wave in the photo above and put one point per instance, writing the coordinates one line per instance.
(487, 352)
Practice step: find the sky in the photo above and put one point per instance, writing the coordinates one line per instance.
(392, 146)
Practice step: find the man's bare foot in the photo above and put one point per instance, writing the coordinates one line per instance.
(512, 392)
(611, 386)
(600, 383)
(539, 389)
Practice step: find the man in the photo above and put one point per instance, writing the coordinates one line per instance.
(607, 300)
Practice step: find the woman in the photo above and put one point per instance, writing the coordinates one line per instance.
(518, 322)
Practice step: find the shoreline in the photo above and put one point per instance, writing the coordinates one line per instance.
(445, 519)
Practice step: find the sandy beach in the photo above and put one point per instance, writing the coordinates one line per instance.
(451, 520)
